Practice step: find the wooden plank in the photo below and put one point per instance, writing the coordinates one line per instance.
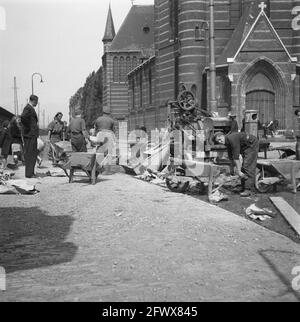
(288, 212)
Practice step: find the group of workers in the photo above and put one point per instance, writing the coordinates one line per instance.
(24, 131)
(77, 132)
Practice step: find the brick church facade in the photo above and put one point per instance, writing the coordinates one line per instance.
(257, 53)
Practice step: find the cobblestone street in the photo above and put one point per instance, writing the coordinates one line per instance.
(127, 240)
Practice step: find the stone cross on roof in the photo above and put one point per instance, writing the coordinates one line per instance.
(262, 6)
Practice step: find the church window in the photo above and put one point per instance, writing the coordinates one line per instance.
(115, 69)
(133, 94)
(173, 19)
(128, 65)
(150, 86)
(141, 90)
(122, 74)
(134, 62)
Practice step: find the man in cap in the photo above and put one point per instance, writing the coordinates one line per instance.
(29, 120)
(247, 145)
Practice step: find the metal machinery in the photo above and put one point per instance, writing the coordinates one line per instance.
(192, 157)
(185, 116)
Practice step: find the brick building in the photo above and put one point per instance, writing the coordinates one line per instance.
(257, 49)
(123, 52)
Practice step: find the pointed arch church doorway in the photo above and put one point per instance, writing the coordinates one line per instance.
(264, 102)
(262, 87)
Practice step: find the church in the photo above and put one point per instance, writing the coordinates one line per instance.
(163, 49)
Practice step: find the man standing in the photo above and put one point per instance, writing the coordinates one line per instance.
(105, 132)
(104, 123)
(246, 145)
(30, 126)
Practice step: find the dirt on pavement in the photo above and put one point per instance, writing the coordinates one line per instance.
(127, 240)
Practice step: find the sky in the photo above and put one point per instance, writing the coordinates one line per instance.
(61, 40)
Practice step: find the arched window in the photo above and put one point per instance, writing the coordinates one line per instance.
(173, 19)
(115, 70)
(133, 93)
(141, 89)
(150, 86)
(128, 65)
(122, 70)
(134, 62)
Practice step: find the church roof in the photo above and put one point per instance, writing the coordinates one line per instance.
(245, 32)
(137, 30)
(238, 35)
(110, 33)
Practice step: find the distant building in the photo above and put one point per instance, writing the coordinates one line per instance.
(257, 60)
(5, 115)
(123, 52)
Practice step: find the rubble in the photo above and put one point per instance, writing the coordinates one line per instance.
(10, 186)
(257, 213)
(217, 197)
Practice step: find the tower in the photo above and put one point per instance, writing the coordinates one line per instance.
(110, 33)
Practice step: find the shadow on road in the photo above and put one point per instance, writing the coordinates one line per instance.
(29, 238)
(270, 257)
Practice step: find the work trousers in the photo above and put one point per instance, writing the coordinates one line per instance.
(30, 154)
(249, 165)
(78, 143)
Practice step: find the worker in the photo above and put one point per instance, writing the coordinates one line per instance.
(234, 127)
(55, 134)
(17, 140)
(105, 123)
(105, 132)
(30, 129)
(246, 145)
(5, 142)
(78, 133)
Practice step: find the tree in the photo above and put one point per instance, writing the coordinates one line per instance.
(89, 98)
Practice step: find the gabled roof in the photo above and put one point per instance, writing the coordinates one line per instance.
(110, 33)
(261, 16)
(137, 30)
(239, 34)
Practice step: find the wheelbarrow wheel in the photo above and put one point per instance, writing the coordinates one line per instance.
(178, 187)
(259, 185)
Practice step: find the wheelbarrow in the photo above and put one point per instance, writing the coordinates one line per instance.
(90, 163)
(273, 172)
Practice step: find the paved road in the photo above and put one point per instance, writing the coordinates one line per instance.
(127, 240)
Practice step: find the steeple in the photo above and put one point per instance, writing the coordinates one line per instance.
(110, 33)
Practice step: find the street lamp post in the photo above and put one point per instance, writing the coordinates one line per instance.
(32, 76)
(213, 100)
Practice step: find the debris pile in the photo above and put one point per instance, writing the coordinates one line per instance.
(261, 214)
(10, 186)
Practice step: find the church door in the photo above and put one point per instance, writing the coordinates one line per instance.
(264, 102)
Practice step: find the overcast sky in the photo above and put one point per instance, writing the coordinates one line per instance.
(61, 39)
